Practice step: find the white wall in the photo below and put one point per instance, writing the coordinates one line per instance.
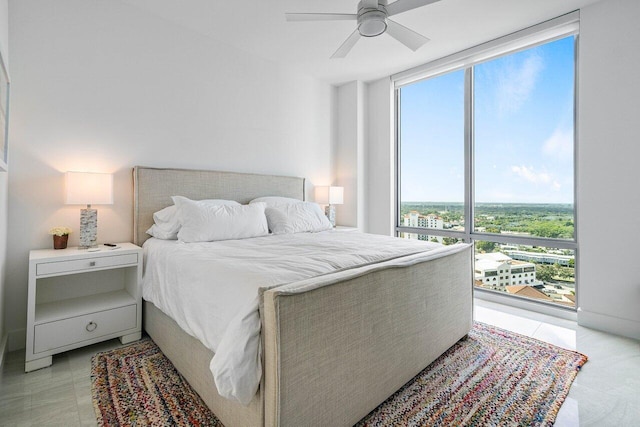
(4, 189)
(349, 154)
(608, 153)
(381, 159)
(102, 86)
(608, 193)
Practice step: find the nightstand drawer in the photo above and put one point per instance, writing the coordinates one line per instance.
(52, 335)
(85, 264)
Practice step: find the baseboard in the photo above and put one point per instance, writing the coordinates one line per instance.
(17, 339)
(526, 304)
(3, 349)
(604, 322)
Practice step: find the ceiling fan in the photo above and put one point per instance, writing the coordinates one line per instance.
(373, 20)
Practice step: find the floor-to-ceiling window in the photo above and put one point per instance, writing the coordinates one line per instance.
(486, 153)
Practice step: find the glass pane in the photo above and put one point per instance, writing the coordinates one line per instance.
(431, 127)
(540, 273)
(524, 142)
(437, 239)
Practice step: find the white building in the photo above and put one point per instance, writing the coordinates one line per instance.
(496, 271)
(415, 219)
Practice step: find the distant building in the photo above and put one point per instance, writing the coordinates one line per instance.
(416, 220)
(496, 271)
(529, 292)
(542, 258)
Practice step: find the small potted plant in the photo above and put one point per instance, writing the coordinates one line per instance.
(60, 237)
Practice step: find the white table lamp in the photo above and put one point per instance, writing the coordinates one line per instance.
(88, 188)
(330, 196)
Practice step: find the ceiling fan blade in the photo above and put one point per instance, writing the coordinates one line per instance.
(400, 6)
(321, 16)
(348, 44)
(407, 37)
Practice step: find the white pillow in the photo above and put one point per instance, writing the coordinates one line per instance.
(166, 216)
(297, 218)
(209, 223)
(166, 225)
(276, 201)
(159, 233)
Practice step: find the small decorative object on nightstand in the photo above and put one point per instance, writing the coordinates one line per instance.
(88, 188)
(330, 196)
(60, 237)
(76, 298)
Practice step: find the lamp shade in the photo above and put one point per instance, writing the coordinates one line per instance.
(89, 188)
(329, 195)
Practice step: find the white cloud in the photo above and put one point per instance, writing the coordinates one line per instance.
(530, 174)
(516, 83)
(543, 178)
(559, 144)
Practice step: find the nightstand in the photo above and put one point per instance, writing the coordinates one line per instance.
(77, 298)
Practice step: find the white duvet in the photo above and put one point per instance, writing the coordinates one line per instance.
(211, 289)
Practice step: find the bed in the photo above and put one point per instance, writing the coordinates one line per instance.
(333, 347)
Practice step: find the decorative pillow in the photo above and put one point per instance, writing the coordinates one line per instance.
(297, 218)
(209, 223)
(166, 225)
(276, 201)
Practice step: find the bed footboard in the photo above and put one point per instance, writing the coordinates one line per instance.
(336, 347)
(191, 359)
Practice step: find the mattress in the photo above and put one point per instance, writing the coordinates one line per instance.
(212, 289)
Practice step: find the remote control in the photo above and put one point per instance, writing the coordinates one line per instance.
(111, 245)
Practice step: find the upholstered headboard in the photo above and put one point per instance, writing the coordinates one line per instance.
(153, 188)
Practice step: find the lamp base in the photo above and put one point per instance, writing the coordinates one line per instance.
(88, 228)
(330, 212)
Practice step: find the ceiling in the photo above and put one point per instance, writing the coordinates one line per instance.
(259, 27)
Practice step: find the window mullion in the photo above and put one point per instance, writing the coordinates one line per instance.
(468, 153)
(398, 148)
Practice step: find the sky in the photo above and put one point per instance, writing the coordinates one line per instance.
(523, 132)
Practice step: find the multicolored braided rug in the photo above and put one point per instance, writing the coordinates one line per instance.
(137, 385)
(494, 377)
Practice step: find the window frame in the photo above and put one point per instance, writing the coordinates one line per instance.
(549, 31)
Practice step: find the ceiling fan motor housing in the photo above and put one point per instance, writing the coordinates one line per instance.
(372, 22)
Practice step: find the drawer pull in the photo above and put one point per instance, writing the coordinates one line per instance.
(91, 326)
(92, 264)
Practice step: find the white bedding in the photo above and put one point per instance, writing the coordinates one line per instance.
(211, 289)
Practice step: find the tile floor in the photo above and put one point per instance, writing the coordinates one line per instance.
(605, 393)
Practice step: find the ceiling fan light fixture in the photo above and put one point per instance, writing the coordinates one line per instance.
(372, 23)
